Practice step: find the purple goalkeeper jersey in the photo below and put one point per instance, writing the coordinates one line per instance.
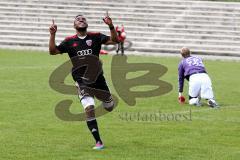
(187, 67)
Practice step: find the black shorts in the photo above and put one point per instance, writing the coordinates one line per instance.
(99, 89)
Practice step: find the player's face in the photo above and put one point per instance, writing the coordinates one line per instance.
(80, 22)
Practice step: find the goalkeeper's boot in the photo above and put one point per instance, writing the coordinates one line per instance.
(98, 146)
(195, 102)
(212, 103)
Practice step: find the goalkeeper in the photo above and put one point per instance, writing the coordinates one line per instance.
(200, 85)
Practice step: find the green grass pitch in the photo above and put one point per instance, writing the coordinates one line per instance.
(30, 130)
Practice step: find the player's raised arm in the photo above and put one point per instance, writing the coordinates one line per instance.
(113, 38)
(52, 45)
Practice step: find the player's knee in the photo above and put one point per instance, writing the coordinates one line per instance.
(90, 114)
(109, 106)
(89, 109)
(88, 105)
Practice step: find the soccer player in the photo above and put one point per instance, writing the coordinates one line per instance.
(200, 85)
(82, 44)
(121, 38)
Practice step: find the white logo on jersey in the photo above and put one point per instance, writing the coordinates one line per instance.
(89, 42)
(84, 52)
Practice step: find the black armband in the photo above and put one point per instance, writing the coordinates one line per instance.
(111, 27)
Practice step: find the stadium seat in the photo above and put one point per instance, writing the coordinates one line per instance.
(153, 26)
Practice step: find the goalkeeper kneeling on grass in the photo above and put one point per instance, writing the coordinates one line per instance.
(200, 85)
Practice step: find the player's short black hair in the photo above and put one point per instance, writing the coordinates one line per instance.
(78, 15)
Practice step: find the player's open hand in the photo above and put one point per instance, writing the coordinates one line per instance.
(53, 28)
(107, 19)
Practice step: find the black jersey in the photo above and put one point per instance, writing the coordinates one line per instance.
(74, 46)
(90, 45)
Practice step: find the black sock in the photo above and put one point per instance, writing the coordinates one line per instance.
(93, 127)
